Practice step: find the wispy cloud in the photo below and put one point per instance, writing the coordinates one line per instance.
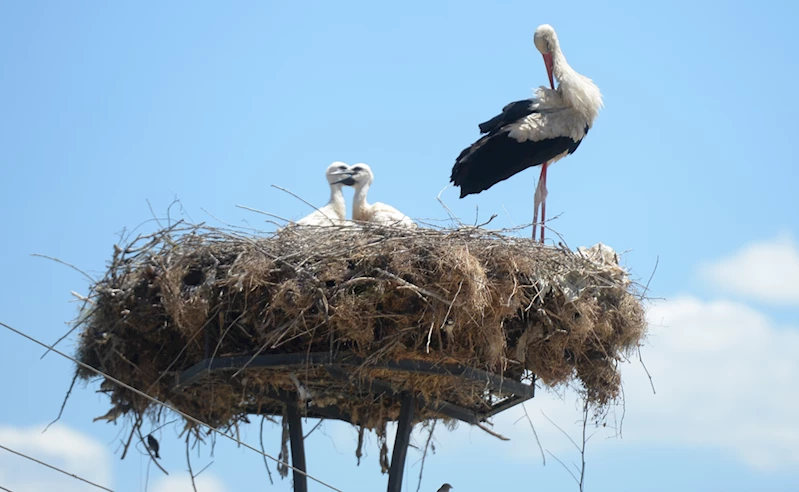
(765, 271)
(60, 446)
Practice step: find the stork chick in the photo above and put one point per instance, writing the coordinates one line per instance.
(375, 213)
(335, 211)
(532, 132)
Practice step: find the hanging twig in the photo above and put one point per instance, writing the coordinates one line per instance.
(641, 360)
(646, 287)
(543, 456)
(314, 428)
(64, 403)
(424, 454)
(188, 462)
(136, 425)
(359, 449)
(581, 448)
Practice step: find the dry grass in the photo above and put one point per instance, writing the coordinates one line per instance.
(483, 299)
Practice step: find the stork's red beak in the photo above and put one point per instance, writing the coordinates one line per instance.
(548, 63)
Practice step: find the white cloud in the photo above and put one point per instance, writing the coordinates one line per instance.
(725, 377)
(765, 271)
(206, 482)
(60, 446)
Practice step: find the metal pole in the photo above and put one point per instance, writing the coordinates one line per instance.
(403, 439)
(297, 447)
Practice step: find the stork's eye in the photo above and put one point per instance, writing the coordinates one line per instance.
(342, 168)
(357, 168)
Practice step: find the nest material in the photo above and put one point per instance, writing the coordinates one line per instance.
(481, 299)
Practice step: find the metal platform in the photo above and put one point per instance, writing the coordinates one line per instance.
(341, 367)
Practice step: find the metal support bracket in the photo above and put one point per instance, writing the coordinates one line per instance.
(401, 442)
(297, 447)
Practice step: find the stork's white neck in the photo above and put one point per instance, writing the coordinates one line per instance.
(576, 90)
(360, 207)
(337, 202)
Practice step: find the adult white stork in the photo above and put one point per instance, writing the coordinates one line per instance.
(532, 132)
(335, 211)
(375, 213)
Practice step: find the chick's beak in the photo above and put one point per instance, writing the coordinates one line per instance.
(346, 178)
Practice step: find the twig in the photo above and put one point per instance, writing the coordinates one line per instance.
(495, 434)
(359, 449)
(452, 216)
(446, 316)
(203, 469)
(92, 279)
(61, 339)
(149, 451)
(263, 213)
(582, 449)
(424, 454)
(646, 287)
(561, 430)
(509, 217)
(263, 449)
(493, 216)
(155, 217)
(81, 297)
(64, 403)
(623, 412)
(641, 360)
(566, 467)
(299, 198)
(411, 286)
(314, 428)
(543, 456)
(188, 462)
(136, 425)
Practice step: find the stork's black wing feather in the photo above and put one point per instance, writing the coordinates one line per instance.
(511, 112)
(496, 157)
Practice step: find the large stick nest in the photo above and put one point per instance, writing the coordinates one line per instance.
(482, 299)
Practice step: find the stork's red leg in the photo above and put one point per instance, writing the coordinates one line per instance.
(544, 201)
(538, 200)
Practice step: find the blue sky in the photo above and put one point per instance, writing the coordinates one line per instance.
(107, 105)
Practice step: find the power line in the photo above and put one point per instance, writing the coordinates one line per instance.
(54, 468)
(165, 405)
(5, 489)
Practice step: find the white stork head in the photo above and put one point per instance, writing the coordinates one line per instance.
(547, 43)
(338, 175)
(577, 90)
(361, 175)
